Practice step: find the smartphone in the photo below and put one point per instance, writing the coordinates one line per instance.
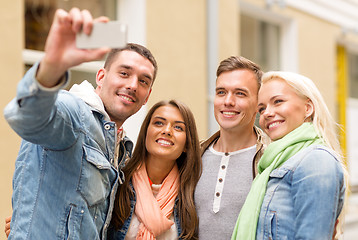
(112, 34)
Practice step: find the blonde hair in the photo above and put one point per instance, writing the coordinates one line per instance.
(322, 119)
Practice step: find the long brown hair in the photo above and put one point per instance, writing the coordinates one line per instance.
(189, 164)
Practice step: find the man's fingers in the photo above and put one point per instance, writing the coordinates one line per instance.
(87, 21)
(96, 54)
(7, 226)
(101, 19)
(62, 17)
(77, 20)
(8, 219)
(80, 20)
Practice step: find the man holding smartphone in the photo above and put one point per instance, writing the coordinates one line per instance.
(73, 146)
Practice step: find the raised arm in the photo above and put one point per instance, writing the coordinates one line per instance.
(61, 52)
(35, 114)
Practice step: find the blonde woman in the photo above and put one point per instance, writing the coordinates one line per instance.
(299, 192)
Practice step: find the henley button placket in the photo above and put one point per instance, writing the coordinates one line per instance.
(220, 181)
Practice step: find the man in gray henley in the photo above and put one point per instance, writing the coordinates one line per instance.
(230, 156)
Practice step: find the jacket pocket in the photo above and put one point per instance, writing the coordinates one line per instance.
(272, 229)
(276, 202)
(69, 227)
(95, 179)
(279, 173)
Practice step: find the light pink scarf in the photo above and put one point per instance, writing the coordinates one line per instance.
(154, 212)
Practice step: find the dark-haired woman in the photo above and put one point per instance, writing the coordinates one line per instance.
(156, 201)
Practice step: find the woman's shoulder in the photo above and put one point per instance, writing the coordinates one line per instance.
(312, 157)
(319, 153)
(318, 158)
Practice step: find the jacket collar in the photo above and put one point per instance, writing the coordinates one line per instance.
(87, 93)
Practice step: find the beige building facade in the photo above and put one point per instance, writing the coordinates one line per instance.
(11, 45)
(189, 38)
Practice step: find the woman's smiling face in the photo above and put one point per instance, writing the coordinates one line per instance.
(281, 108)
(166, 134)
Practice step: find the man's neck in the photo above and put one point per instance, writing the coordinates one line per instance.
(231, 141)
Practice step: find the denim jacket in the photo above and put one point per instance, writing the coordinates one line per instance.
(304, 197)
(64, 183)
(121, 233)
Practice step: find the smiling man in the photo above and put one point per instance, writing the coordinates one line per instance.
(230, 156)
(68, 168)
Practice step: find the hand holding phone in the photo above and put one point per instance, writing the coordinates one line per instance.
(112, 34)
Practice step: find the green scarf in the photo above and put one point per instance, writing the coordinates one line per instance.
(274, 156)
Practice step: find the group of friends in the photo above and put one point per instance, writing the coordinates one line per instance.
(77, 178)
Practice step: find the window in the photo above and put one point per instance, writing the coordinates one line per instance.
(39, 16)
(38, 19)
(260, 42)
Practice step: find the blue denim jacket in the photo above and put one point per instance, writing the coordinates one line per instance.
(121, 233)
(304, 197)
(64, 184)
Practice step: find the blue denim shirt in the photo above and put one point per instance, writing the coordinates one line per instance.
(121, 233)
(304, 197)
(64, 183)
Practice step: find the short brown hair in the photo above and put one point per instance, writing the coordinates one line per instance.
(238, 62)
(141, 50)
